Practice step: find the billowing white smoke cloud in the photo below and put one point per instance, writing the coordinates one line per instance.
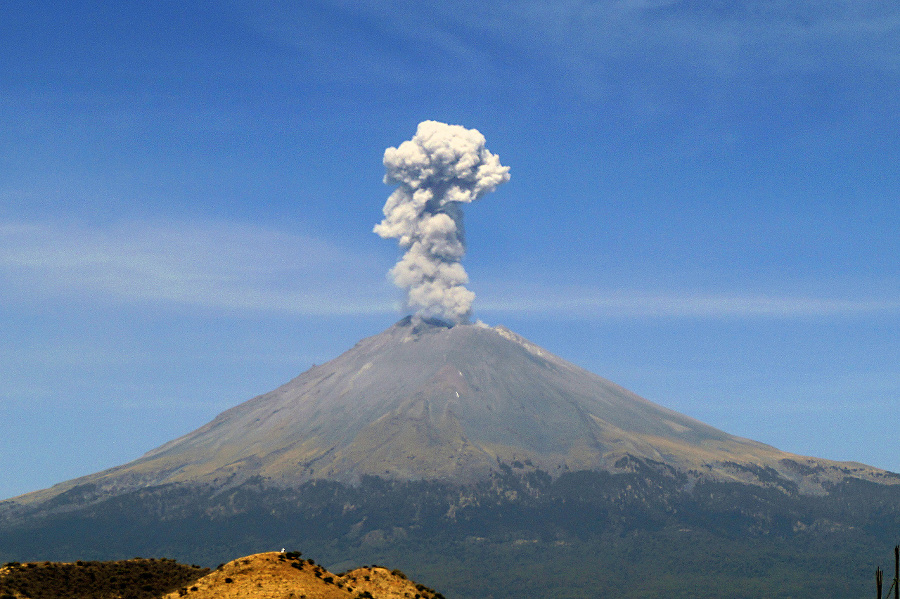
(441, 168)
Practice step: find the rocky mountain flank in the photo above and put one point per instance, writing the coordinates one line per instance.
(423, 401)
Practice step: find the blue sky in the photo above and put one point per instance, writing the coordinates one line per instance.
(702, 206)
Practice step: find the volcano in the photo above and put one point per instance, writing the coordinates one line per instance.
(469, 439)
(427, 401)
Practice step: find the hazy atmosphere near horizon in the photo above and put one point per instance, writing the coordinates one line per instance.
(702, 206)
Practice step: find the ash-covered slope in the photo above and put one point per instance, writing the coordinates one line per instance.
(425, 401)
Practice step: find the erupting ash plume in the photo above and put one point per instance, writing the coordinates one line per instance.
(441, 168)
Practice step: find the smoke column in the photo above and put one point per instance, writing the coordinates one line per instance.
(439, 170)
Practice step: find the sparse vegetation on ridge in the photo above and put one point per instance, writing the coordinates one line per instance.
(128, 579)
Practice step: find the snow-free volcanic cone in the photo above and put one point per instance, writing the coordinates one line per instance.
(439, 170)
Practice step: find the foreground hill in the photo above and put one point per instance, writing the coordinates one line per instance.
(483, 465)
(261, 576)
(278, 575)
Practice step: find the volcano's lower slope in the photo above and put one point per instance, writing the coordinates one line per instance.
(483, 465)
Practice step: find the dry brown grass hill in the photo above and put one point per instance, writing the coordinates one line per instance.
(277, 575)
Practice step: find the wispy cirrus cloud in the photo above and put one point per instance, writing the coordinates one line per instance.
(644, 54)
(599, 303)
(217, 265)
(249, 268)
